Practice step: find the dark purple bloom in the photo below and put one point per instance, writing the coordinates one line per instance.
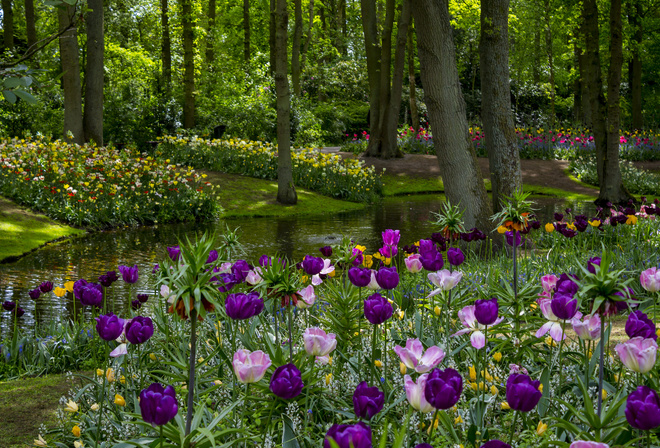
(558, 216)
(367, 401)
(213, 257)
(78, 287)
(143, 297)
(129, 274)
(326, 251)
(174, 253)
(9, 306)
(155, 269)
(286, 382)
(387, 278)
(643, 408)
(438, 238)
(522, 393)
(455, 256)
(426, 246)
(391, 237)
(359, 257)
(432, 260)
(495, 444)
(423, 445)
(580, 224)
(509, 238)
(240, 270)
(478, 234)
(627, 294)
(592, 263)
(485, 311)
(410, 249)
(377, 309)
(139, 329)
(264, 261)
(467, 237)
(109, 326)
(638, 324)
(241, 306)
(46, 286)
(136, 304)
(443, 388)
(91, 295)
(349, 436)
(312, 265)
(568, 233)
(566, 285)
(19, 311)
(226, 281)
(105, 281)
(359, 277)
(158, 405)
(35, 293)
(563, 306)
(536, 224)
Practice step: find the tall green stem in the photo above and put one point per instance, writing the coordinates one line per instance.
(290, 312)
(513, 426)
(373, 352)
(515, 282)
(600, 367)
(103, 378)
(191, 370)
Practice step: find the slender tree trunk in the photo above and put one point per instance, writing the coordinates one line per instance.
(577, 85)
(166, 47)
(503, 157)
(30, 23)
(442, 93)
(271, 35)
(73, 122)
(8, 24)
(341, 27)
(188, 65)
(295, 47)
(414, 115)
(372, 51)
(584, 84)
(636, 84)
(308, 39)
(548, 48)
(93, 115)
(210, 33)
(246, 31)
(286, 192)
(536, 75)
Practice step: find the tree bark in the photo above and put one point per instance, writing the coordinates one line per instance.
(442, 93)
(412, 80)
(308, 39)
(188, 65)
(166, 46)
(286, 192)
(30, 23)
(548, 48)
(636, 84)
(93, 115)
(246, 31)
(584, 84)
(536, 75)
(271, 36)
(73, 122)
(577, 85)
(210, 33)
(503, 156)
(295, 46)
(8, 24)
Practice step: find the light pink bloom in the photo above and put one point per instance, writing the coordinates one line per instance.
(588, 444)
(650, 279)
(318, 343)
(549, 282)
(254, 276)
(413, 263)
(415, 393)
(250, 367)
(413, 356)
(323, 360)
(587, 329)
(444, 280)
(478, 339)
(638, 354)
(165, 293)
(554, 325)
(120, 350)
(515, 368)
(308, 297)
(327, 269)
(373, 284)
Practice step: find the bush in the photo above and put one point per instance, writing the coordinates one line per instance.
(637, 181)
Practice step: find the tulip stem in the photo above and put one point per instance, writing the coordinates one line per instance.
(191, 371)
(600, 367)
(162, 442)
(98, 421)
(561, 371)
(432, 428)
(290, 312)
(373, 353)
(513, 426)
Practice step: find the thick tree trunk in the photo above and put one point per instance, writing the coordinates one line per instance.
(503, 156)
(247, 54)
(166, 46)
(414, 115)
(286, 192)
(93, 116)
(442, 92)
(636, 84)
(271, 35)
(30, 23)
(372, 51)
(584, 84)
(188, 65)
(577, 85)
(341, 28)
(295, 46)
(8, 24)
(210, 32)
(548, 49)
(73, 122)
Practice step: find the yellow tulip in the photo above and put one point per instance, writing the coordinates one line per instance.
(632, 220)
(368, 261)
(94, 407)
(69, 286)
(437, 311)
(504, 405)
(71, 406)
(473, 373)
(152, 356)
(402, 368)
(59, 292)
(378, 364)
(401, 314)
(40, 442)
(99, 372)
(328, 378)
(594, 223)
(75, 431)
(458, 420)
(119, 400)
(604, 394)
(541, 428)
(497, 356)
(110, 375)
(494, 390)
(549, 227)
(78, 444)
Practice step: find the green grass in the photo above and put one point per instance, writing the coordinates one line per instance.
(399, 185)
(26, 404)
(22, 231)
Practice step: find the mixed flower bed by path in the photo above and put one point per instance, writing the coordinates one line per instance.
(100, 187)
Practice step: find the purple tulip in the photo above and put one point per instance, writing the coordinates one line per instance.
(377, 309)
(432, 260)
(9, 306)
(588, 444)
(109, 326)
(91, 295)
(388, 251)
(566, 285)
(410, 249)
(423, 445)
(136, 304)
(225, 280)
(367, 401)
(359, 277)
(357, 256)
(174, 253)
(139, 330)
(326, 251)
(109, 278)
(264, 261)
(558, 216)
(391, 237)
(155, 269)
(35, 293)
(143, 298)
(563, 306)
(158, 405)
(638, 324)
(349, 436)
(387, 278)
(643, 408)
(286, 382)
(240, 270)
(509, 238)
(312, 265)
(213, 257)
(241, 306)
(592, 263)
(522, 393)
(443, 388)
(128, 274)
(319, 343)
(46, 286)
(19, 312)
(495, 444)
(78, 287)
(486, 311)
(455, 256)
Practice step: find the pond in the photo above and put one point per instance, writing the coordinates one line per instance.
(93, 254)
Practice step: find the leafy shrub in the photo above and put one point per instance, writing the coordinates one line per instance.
(637, 181)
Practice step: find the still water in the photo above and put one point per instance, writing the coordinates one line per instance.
(92, 255)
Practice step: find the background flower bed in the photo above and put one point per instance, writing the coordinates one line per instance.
(100, 187)
(327, 174)
(636, 180)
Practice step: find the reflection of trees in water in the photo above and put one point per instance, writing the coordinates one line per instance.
(286, 229)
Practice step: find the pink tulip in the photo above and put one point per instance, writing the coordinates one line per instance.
(650, 279)
(413, 263)
(638, 354)
(307, 297)
(327, 269)
(549, 282)
(373, 284)
(250, 367)
(415, 393)
(444, 280)
(413, 356)
(318, 343)
(588, 444)
(120, 350)
(587, 329)
(254, 276)
(554, 325)
(478, 339)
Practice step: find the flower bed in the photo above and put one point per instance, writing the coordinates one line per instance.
(100, 187)
(327, 174)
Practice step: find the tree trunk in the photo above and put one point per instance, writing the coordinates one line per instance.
(210, 33)
(412, 80)
(636, 84)
(166, 47)
(503, 156)
(8, 24)
(286, 192)
(295, 46)
(577, 85)
(73, 122)
(341, 27)
(308, 39)
(442, 93)
(372, 51)
(188, 65)
(30, 23)
(93, 116)
(271, 35)
(536, 75)
(548, 48)
(246, 31)
(584, 84)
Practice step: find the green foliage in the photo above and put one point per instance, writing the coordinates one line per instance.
(636, 180)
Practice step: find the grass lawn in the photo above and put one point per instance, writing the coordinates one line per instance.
(22, 230)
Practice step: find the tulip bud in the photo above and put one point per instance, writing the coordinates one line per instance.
(94, 407)
(541, 428)
(378, 364)
(119, 400)
(504, 405)
(75, 431)
(494, 390)
(402, 368)
(497, 356)
(437, 311)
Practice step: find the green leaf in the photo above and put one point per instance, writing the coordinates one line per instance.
(22, 94)
(289, 439)
(9, 96)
